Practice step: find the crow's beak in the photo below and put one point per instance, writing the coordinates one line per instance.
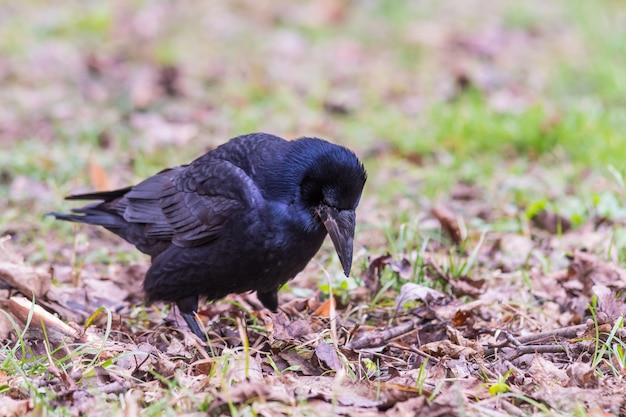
(340, 227)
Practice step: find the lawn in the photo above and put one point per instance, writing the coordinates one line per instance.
(488, 275)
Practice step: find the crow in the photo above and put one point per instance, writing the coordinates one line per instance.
(246, 216)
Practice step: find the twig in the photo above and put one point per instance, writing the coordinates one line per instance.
(377, 338)
(520, 343)
(565, 333)
(413, 349)
(523, 350)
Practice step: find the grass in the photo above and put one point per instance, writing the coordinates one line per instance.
(522, 101)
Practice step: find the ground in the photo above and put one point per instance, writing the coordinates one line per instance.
(490, 249)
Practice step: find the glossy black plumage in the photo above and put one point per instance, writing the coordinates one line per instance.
(247, 216)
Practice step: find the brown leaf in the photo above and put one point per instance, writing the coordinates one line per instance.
(447, 404)
(327, 354)
(371, 275)
(411, 407)
(464, 285)
(10, 407)
(461, 318)
(457, 338)
(545, 373)
(304, 366)
(582, 375)
(451, 223)
(586, 269)
(78, 303)
(243, 392)
(203, 366)
(447, 348)
(344, 391)
(551, 222)
(326, 308)
(294, 307)
(26, 279)
(284, 329)
(411, 291)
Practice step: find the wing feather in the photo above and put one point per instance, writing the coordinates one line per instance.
(200, 199)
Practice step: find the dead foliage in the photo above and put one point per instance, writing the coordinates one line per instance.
(430, 352)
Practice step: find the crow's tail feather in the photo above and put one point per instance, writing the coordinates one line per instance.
(92, 215)
(100, 195)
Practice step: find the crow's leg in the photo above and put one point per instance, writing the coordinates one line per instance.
(188, 307)
(269, 299)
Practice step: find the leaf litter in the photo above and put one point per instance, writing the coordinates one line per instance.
(428, 349)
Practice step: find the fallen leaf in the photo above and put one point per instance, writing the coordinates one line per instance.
(464, 285)
(546, 374)
(240, 366)
(328, 355)
(443, 348)
(372, 274)
(551, 222)
(326, 308)
(411, 291)
(588, 270)
(10, 407)
(582, 375)
(285, 329)
(26, 279)
(303, 365)
(451, 223)
(345, 392)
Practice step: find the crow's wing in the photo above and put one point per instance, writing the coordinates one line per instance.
(189, 205)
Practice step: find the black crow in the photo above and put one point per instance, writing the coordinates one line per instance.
(246, 216)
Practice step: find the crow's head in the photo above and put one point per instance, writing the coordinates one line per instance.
(330, 188)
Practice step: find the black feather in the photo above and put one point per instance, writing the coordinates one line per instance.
(247, 216)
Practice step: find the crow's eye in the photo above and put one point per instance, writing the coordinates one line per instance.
(311, 191)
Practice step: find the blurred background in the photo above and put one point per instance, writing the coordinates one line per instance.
(524, 98)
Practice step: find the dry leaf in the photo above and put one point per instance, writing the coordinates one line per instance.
(26, 279)
(582, 375)
(464, 285)
(240, 367)
(372, 274)
(284, 329)
(304, 366)
(588, 270)
(10, 407)
(447, 348)
(411, 291)
(546, 374)
(327, 354)
(551, 222)
(326, 308)
(451, 223)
